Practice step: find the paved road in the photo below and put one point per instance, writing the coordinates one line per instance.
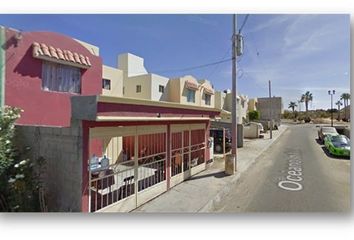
(318, 181)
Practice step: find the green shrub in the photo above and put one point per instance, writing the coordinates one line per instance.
(253, 115)
(20, 185)
(307, 119)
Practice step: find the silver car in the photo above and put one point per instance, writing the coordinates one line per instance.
(326, 131)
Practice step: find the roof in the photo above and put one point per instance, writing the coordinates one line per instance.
(107, 108)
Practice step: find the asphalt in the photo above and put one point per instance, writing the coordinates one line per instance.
(325, 184)
(204, 191)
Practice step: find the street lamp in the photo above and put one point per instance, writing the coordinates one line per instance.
(331, 93)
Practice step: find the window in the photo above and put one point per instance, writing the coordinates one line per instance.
(207, 99)
(106, 84)
(161, 88)
(190, 95)
(60, 78)
(138, 88)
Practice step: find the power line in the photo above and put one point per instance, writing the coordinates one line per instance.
(243, 23)
(195, 67)
(217, 66)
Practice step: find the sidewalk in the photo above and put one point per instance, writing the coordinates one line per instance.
(204, 190)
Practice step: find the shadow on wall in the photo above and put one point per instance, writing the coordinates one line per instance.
(29, 66)
(10, 42)
(164, 96)
(7, 45)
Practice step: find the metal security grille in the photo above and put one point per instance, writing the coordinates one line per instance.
(133, 163)
(112, 185)
(186, 151)
(136, 163)
(197, 147)
(151, 160)
(176, 153)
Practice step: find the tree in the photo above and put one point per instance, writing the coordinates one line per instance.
(339, 103)
(21, 188)
(253, 115)
(306, 98)
(292, 105)
(346, 98)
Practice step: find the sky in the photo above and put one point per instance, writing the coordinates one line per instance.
(297, 53)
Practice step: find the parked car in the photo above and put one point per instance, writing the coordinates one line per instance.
(338, 145)
(326, 131)
(217, 134)
(261, 128)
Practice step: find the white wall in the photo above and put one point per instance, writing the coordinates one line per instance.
(131, 64)
(116, 77)
(241, 109)
(205, 83)
(130, 83)
(92, 48)
(220, 99)
(156, 81)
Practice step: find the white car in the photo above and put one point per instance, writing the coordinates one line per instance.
(326, 131)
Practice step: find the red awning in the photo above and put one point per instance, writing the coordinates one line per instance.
(209, 91)
(42, 51)
(191, 85)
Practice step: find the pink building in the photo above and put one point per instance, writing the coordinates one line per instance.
(103, 153)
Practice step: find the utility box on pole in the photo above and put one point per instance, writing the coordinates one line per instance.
(239, 44)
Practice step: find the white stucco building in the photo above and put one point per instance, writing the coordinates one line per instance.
(223, 100)
(138, 83)
(189, 91)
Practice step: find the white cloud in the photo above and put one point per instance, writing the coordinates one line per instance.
(272, 22)
(308, 34)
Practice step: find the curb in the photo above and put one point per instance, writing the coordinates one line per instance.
(210, 205)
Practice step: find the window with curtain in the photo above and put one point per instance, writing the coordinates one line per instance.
(207, 99)
(106, 84)
(60, 78)
(190, 95)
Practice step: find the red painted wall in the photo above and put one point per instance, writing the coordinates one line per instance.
(23, 79)
(96, 147)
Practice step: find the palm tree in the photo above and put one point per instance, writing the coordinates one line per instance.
(339, 103)
(307, 97)
(292, 105)
(346, 98)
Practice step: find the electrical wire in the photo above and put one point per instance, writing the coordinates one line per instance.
(194, 67)
(243, 23)
(228, 51)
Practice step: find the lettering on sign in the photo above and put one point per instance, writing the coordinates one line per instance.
(294, 177)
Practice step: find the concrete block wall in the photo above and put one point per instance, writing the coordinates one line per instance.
(62, 150)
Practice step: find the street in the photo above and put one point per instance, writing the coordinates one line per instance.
(294, 175)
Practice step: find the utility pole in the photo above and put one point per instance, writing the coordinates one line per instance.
(270, 110)
(237, 50)
(331, 93)
(234, 94)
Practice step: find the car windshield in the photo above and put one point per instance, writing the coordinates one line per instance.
(329, 130)
(340, 140)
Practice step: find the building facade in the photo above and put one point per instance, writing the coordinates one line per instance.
(270, 108)
(189, 91)
(104, 151)
(223, 101)
(138, 83)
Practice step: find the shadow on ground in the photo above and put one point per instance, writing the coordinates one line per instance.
(216, 175)
(325, 150)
